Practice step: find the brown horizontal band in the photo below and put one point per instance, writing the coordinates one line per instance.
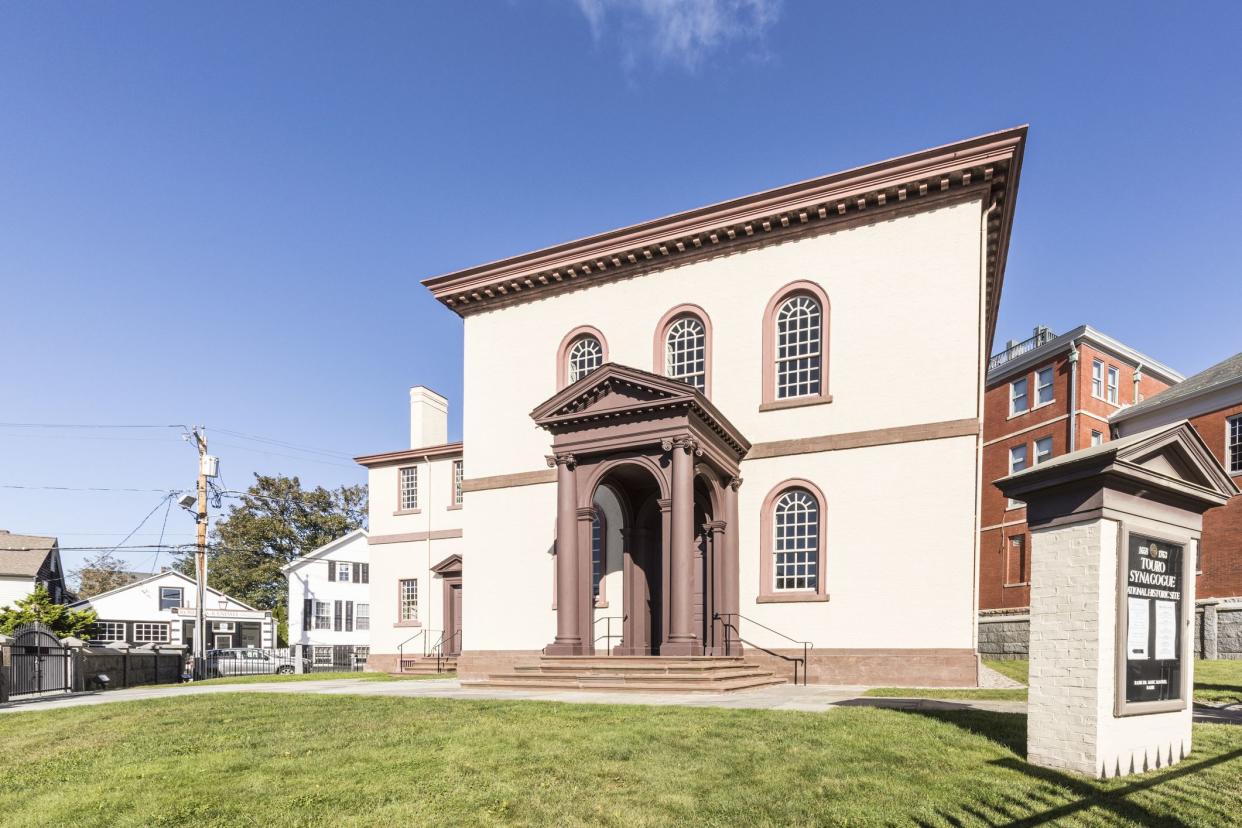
(508, 481)
(863, 439)
(404, 537)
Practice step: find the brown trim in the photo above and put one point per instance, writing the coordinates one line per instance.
(417, 510)
(508, 481)
(428, 453)
(562, 352)
(418, 605)
(967, 427)
(767, 590)
(990, 163)
(803, 287)
(658, 357)
(438, 534)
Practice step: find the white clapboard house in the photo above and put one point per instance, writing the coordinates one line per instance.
(329, 598)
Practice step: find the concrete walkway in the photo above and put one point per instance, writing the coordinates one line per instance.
(813, 699)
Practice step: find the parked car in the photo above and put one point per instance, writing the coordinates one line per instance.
(248, 662)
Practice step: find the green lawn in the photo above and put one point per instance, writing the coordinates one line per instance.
(321, 677)
(241, 759)
(1216, 682)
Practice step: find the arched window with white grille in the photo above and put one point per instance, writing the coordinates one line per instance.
(795, 347)
(585, 355)
(796, 544)
(685, 352)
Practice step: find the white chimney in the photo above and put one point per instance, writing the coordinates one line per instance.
(428, 418)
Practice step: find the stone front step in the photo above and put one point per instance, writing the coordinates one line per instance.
(698, 674)
(426, 666)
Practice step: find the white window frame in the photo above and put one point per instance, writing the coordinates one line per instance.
(321, 620)
(180, 597)
(1043, 450)
(458, 478)
(362, 617)
(322, 657)
(407, 489)
(1015, 395)
(1233, 443)
(145, 632)
(1097, 437)
(795, 551)
(1114, 384)
(585, 355)
(1041, 386)
(407, 600)
(344, 571)
(114, 631)
(1097, 378)
(799, 351)
(1013, 467)
(685, 351)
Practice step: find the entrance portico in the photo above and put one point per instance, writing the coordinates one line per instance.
(672, 461)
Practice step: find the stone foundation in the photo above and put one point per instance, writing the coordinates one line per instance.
(1004, 635)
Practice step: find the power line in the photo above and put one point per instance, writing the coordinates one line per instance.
(273, 441)
(289, 456)
(161, 540)
(84, 488)
(82, 425)
(168, 497)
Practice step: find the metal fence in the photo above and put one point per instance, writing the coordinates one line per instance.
(301, 658)
(38, 663)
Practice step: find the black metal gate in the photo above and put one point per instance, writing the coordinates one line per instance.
(39, 663)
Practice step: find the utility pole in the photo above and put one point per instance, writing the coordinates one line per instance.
(200, 556)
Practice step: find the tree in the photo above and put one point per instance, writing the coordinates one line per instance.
(101, 573)
(38, 606)
(275, 522)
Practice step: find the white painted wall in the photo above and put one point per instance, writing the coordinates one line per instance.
(308, 578)
(13, 589)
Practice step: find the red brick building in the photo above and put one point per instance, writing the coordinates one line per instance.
(1044, 397)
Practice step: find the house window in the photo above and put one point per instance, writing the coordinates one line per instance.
(343, 571)
(146, 633)
(1015, 562)
(1113, 375)
(108, 631)
(409, 488)
(408, 595)
(457, 479)
(323, 615)
(1043, 450)
(798, 341)
(685, 352)
(1233, 444)
(1017, 462)
(585, 355)
(796, 543)
(597, 553)
(1019, 399)
(1097, 437)
(1043, 386)
(170, 597)
(1097, 379)
(362, 616)
(323, 656)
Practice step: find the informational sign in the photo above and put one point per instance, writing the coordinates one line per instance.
(1153, 612)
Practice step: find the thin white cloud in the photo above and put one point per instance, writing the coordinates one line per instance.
(681, 32)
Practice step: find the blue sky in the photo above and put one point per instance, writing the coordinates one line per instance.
(219, 213)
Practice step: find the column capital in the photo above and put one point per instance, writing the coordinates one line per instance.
(714, 526)
(586, 513)
(686, 444)
(735, 483)
(562, 459)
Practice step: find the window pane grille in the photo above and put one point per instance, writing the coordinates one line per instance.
(1018, 396)
(457, 479)
(409, 488)
(323, 615)
(145, 633)
(585, 355)
(1043, 386)
(1235, 445)
(798, 343)
(597, 554)
(797, 541)
(108, 631)
(409, 599)
(1112, 384)
(685, 352)
(1043, 450)
(342, 572)
(1097, 379)
(362, 616)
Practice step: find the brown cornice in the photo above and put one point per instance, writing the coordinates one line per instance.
(405, 455)
(988, 165)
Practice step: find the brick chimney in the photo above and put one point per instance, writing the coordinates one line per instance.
(428, 417)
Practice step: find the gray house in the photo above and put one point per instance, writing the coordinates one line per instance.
(27, 561)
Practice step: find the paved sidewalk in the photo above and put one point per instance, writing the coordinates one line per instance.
(813, 699)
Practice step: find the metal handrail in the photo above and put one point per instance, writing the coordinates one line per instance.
(807, 646)
(608, 636)
(438, 648)
(425, 633)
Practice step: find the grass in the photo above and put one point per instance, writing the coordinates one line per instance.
(242, 759)
(320, 677)
(1216, 683)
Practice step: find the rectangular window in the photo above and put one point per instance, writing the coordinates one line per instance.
(1113, 376)
(342, 571)
(145, 633)
(1097, 379)
(1097, 437)
(409, 489)
(1019, 399)
(1043, 450)
(362, 616)
(457, 478)
(408, 594)
(597, 554)
(323, 656)
(323, 615)
(1043, 386)
(1017, 462)
(108, 631)
(1233, 444)
(1015, 562)
(170, 597)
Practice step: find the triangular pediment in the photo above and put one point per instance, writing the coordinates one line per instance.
(1178, 452)
(612, 389)
(449, 565)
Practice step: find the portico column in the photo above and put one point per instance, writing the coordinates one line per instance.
(681, 638)
(568, 622)
(729, 560)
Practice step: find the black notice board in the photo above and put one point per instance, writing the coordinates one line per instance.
(1153, 613)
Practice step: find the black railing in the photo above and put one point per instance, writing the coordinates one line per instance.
(445, 641)
(1042, 336)
(608, 636)
(424, 634)
(729, 621)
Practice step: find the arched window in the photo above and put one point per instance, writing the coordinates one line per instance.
(685, 352)
(683, 347)
(585, 355)
(793, 528)
(796, 544)
(795, 347)
(582, 351)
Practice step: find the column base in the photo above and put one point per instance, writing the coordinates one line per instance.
(564, 648)
(691, 647)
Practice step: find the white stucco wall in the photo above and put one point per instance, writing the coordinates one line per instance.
(904, 344)
(14, 589)
(309, 579)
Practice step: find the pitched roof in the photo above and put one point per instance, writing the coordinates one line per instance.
(23, 555)
(323, 550)
(1219, 375)
(148, 578)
